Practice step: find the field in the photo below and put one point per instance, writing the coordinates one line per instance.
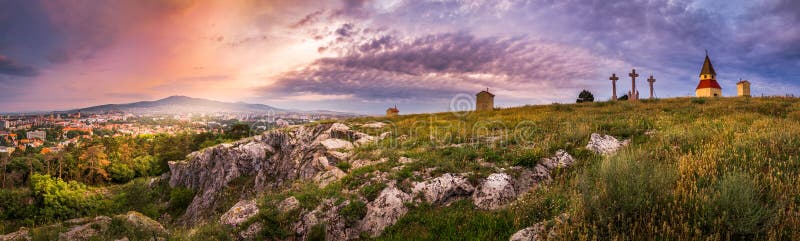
(708, 169)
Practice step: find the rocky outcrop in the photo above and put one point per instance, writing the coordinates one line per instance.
(545, 230)
(442, 189)
(605, 144)
(385, 211)
(275, 159)
(496, 191)
(142, 222)
(239, 213)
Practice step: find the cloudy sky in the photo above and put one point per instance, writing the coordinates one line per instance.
(363, 56)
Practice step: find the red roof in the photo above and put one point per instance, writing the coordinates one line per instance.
(708, 83)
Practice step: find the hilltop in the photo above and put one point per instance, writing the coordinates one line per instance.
(683, 168)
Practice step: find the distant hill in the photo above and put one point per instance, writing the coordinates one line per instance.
(185, 104)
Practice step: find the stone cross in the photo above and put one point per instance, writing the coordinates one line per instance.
(651, 80)
(633, 76)
(613, 86)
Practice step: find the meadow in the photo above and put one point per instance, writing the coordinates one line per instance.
(698, 169)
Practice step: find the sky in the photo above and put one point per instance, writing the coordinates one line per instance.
(364, 56)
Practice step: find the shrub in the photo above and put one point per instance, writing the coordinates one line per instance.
(626, 187)
(353, 212)
(344, 166)
(371, 191)
(179, 200)
(738, 204)
(60, 199)
(121, 173)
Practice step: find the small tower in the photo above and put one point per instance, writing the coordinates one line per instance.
(743, 88)
(392, 111)
(708, 86)
(484, 101)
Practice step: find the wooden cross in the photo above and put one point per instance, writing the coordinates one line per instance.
(651, 80)
(614, 79)
(633, 76)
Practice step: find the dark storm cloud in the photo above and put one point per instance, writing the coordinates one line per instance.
(438, 66)
(10, 67)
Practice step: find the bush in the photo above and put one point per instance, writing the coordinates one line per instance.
(738, 205)
(344, 166)
(121, 173)
(179, 200)
(626, 187)
(585, 96)
(371, 191)
(60, 199)
(145, 165)
(353, 212)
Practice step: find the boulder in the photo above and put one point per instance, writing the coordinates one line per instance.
(326, 213)
(562, 159)
(288, 204)
(142, 222)
(239, 213)
(495, 192)
(605, 144)
(86, 231)
(22, 234)
(532, 233)
(336, 144)
(442, 189)
(384, 211)
(251, 232)
(375, 125)
(327, 177)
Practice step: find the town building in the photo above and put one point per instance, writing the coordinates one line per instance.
(41, 135)
(708, 86)
(484, 101)
(392, 111)
(743, 88)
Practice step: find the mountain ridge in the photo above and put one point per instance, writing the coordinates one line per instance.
(186, 104)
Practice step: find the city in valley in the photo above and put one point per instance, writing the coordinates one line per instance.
(519, 120)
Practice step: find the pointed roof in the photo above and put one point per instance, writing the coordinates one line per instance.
(707, 67)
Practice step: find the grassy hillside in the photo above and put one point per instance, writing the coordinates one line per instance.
(726, 168)
(696, 169)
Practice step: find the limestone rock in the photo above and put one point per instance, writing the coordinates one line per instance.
(288, 204)
(376, 125)
(337, 144)
(441, 189)
(140, 221)
(251, 232)
(86, 231)
(275, 159)
(605, 144)
(495, 192)
(562, 159)
(328, 213)
(20, 235)
(532, 233)
(385, 211)
(405, 160)
(239, 213)
(325, 178)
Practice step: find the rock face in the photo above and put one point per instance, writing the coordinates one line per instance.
(326, 213)
(275, 158)
(239, 213)
(605, 144)
(496, 191)
(86, 231)
(385, 210)
(441, 189)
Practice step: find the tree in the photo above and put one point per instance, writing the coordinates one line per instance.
(585, 96)
(121, 173)
(239, 131)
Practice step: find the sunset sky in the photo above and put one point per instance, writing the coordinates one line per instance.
(364, 56)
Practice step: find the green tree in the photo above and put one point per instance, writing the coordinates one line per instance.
(120, 172)
(585, 96)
